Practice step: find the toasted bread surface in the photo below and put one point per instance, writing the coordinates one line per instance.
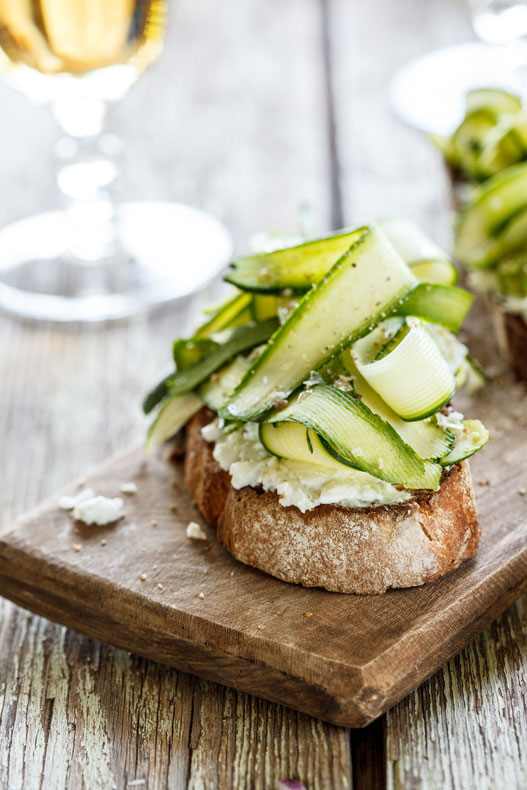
(347, 550)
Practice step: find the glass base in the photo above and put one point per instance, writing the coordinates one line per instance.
(163, 251)
(429, 92)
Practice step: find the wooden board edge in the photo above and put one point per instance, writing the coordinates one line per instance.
(501, 590)
(321, 692)
(341, 694)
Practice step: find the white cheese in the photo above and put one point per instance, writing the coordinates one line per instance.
(195, 532)
(452, 420)
(303, 485)
(99, 510)
(69, 502)
(129, 488)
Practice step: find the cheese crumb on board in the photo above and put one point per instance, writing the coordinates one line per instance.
(195, 532)
(99, 510)
(69, 502)
(129, 488)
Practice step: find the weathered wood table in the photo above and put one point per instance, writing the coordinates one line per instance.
(254, 108)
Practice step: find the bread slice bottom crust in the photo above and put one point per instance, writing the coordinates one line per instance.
(347, 550)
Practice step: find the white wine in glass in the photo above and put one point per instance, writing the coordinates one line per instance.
(96, 259)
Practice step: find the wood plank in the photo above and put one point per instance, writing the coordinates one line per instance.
(227, 622)
(72, 709)
(466, 726)
(91, 716)
(385, 168)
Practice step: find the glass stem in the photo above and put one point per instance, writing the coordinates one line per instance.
(88, 165)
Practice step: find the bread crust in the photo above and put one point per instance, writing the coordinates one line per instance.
(347, 550)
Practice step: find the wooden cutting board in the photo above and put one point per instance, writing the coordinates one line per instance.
(203, 612)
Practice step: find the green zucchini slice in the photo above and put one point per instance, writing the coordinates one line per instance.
(355, 436)
(234, 312)
(292, 269)
(220, 386)
(156, 395)
(172, 416)
(296, 442)
(426, 437)
(468, 139)
(512, 275)
(512, 237)
(242, 339)
(181, 381)
(188, 352)
(442, 272)
(495, 100)
(439, 304)
(265, 306)
(410, 374)
(467, 442)
(495, 203)
(503, 147)
(362, 286)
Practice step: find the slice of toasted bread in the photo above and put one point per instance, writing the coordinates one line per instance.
(348, 550)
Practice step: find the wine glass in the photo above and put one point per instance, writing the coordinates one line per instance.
(429, 92)
(96, 259)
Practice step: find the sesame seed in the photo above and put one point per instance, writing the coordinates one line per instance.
(159, 586)
(143, 577)
(154, 522)
(308, 614)
(103, 542)
(173, 506)
(522, 491)
(201, 595)
(77, 547)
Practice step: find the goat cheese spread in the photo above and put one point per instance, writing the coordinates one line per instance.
(303, 485)
(99, 510)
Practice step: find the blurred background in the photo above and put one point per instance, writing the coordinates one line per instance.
(254, 107)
